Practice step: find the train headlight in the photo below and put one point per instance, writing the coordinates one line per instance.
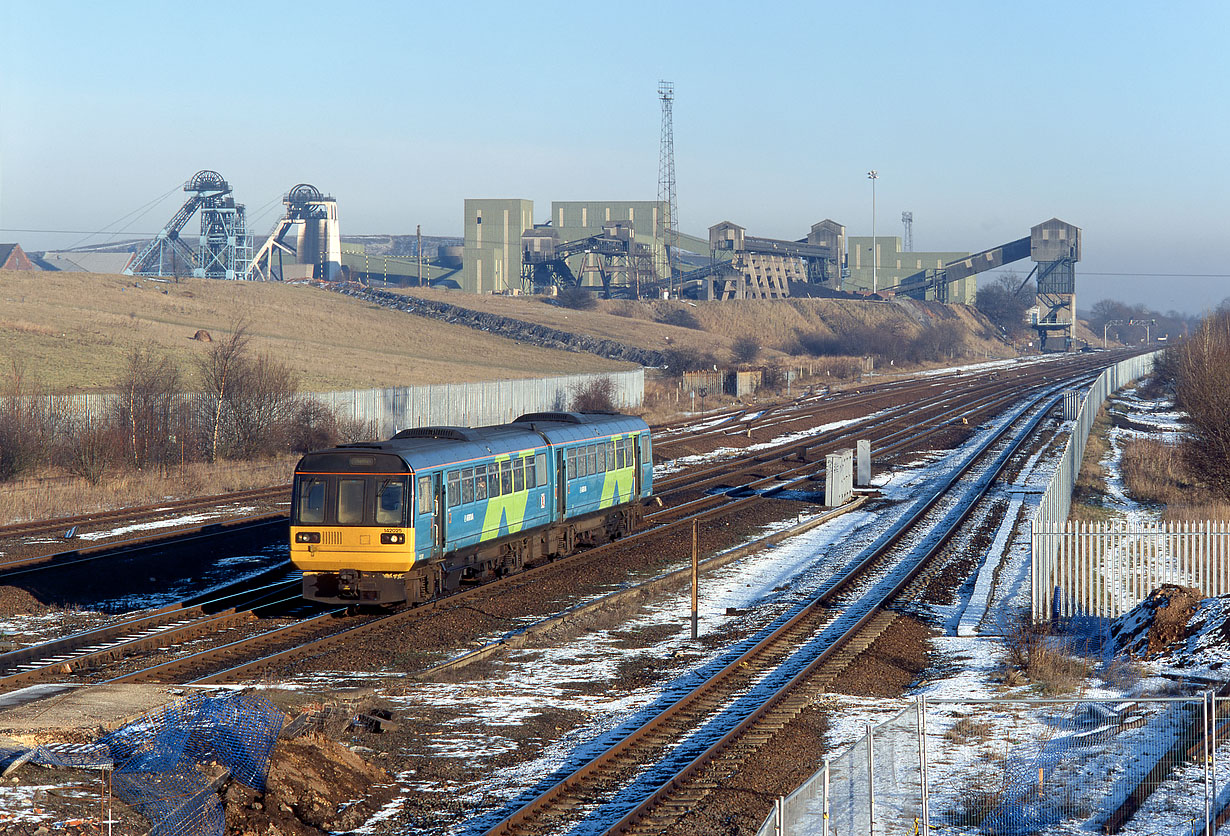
(307, 537)
(392, 539)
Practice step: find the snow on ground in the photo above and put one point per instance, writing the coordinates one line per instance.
(684, 462)
(584, 677)
(1087, 772)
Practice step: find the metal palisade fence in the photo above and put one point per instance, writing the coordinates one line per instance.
(1013, 767)
(399, 407)
(1105, 569)
(1052, 511)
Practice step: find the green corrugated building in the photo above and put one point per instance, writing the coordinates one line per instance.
(491, 259)
(893, 265)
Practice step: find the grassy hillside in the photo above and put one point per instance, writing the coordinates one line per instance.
(776, 324)
(73, 331)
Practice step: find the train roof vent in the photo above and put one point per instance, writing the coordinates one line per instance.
(450, 433)
(561, 417)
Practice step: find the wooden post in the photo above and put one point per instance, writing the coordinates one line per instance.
(695, 574)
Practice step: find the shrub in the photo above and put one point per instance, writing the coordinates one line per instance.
(745, 349)
(680, 360)
(577, 298)
(90, 449)
(681, 318)
(595, 395)
(313, 426)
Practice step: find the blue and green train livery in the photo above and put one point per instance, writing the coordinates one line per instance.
(435, 507)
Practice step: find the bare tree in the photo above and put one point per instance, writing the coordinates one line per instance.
(218, 371)
(1202, 389)
(146, 406)
(261, 403)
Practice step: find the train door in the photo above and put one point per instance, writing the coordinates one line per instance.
(636, 471)
(561, 483)
(438, 533)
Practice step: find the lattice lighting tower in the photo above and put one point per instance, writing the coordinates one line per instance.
(666, 183)
(907, 241)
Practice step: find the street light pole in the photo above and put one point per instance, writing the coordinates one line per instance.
(873, 175)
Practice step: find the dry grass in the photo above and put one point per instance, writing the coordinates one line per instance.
(967, 729)
(73, 332)
(1159, 473)
(1089, 494)
(775, 324)
(54, 496)
(1032, 650)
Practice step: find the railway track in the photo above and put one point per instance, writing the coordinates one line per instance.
(756, 693)
(270, 648)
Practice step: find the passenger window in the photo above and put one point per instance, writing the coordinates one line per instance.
(531, 480)
(645, 459)
(389, 504)
(619, 454)
(350, 501)
(572, 463)
(593, 459)
(519, 475)
(540, 469)
(480, 482)
(505, 478)
(493, 481)
(467, 485)
(454, 488)
(311, 501)
(610, 455)
(425, 495)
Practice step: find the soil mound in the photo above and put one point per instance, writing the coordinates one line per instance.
(1158, 624)
(315, 786)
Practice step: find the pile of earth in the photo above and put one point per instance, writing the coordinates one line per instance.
(1178, 626)
(315, 786)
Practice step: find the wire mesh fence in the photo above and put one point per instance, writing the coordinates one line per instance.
(158, 759)
(1018, 767)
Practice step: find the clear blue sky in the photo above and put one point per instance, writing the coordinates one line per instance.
(982, 118)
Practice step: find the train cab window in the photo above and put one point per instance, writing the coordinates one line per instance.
(350, 501)
(425, 495)
(390, 501)
(311, 506)
(505, 477)
(518, 475)
(454, 488)
(480, 482)
(540, 469)
(467, 485)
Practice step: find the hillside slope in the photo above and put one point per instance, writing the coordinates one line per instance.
(71, 332)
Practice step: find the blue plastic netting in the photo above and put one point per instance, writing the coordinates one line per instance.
(155, 758)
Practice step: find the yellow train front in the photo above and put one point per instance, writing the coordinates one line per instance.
(435, 507)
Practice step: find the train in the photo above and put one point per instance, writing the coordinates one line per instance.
(415, 517)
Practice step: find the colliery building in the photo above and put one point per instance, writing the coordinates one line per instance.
(894, 266)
